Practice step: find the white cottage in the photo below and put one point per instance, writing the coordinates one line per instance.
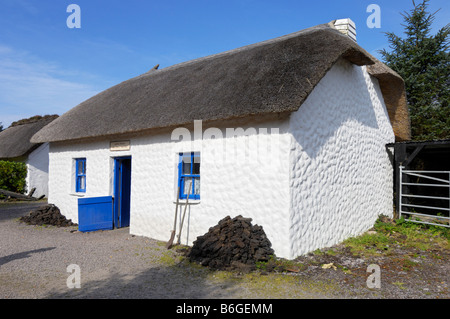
(15, 146)
(290, 132)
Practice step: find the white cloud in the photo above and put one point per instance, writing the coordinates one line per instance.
(31, 86)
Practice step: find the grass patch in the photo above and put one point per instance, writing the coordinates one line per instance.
(273, 285)
(369, 244)
(388, 233)
(399, 284)
(279, 265)
(168, 258)
(408, 264)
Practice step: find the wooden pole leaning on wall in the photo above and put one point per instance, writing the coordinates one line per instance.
(184, 214)
(172, 236)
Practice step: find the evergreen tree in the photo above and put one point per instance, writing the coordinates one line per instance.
(423, 61)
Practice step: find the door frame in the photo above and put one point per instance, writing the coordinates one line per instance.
(117, 191)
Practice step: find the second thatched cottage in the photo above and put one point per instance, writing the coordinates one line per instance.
(15, 146)
(290, 132)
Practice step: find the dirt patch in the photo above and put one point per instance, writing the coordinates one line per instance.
(413, 261)
(403, 273)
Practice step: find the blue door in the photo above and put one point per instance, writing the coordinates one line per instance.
(122, 191)
(95, 213)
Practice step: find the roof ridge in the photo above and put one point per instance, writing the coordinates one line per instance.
(33, 119)
(239, 49)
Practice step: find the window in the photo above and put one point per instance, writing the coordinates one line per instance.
(189, 175)
(80, 175)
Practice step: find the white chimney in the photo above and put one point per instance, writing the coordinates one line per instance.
(347, 27)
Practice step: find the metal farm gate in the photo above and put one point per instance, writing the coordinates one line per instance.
(422, 180)
(425, 195)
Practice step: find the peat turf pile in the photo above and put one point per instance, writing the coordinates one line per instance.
(232, 244)
(47, 215)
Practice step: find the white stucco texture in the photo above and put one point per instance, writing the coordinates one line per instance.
(310, 179)
(340, 172)
(37, 170)
(236, 179)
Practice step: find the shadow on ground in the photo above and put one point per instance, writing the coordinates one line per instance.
(22, 255)
(175, 282)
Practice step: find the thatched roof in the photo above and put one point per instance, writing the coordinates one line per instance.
(273, 76)
(15, 140)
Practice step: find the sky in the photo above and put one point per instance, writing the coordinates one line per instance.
(48, 68)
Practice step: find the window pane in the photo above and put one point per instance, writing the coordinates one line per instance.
(187, 183)
(186, 168)
(196, 169)
(186, 164)
(81, 184)
(197, 186)
(196, 165)
(80, 167)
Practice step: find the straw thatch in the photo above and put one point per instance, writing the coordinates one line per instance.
(273, 76)
(15, 140)
(394, 95)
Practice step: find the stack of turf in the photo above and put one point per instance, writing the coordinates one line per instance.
(47, 215)
(232, 244)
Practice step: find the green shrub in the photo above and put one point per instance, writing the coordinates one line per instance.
(12, 176)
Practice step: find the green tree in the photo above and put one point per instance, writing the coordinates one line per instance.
(13, 176)
(423, 61)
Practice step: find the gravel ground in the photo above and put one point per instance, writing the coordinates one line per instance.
(115, 264)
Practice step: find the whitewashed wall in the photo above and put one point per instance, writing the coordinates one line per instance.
(231, 184)
(341, 176)
(37, 170)
(62, 174)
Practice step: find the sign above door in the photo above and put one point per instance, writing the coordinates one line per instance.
(119, 146)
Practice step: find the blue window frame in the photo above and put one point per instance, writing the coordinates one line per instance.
(189, 174)
(80, 175)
